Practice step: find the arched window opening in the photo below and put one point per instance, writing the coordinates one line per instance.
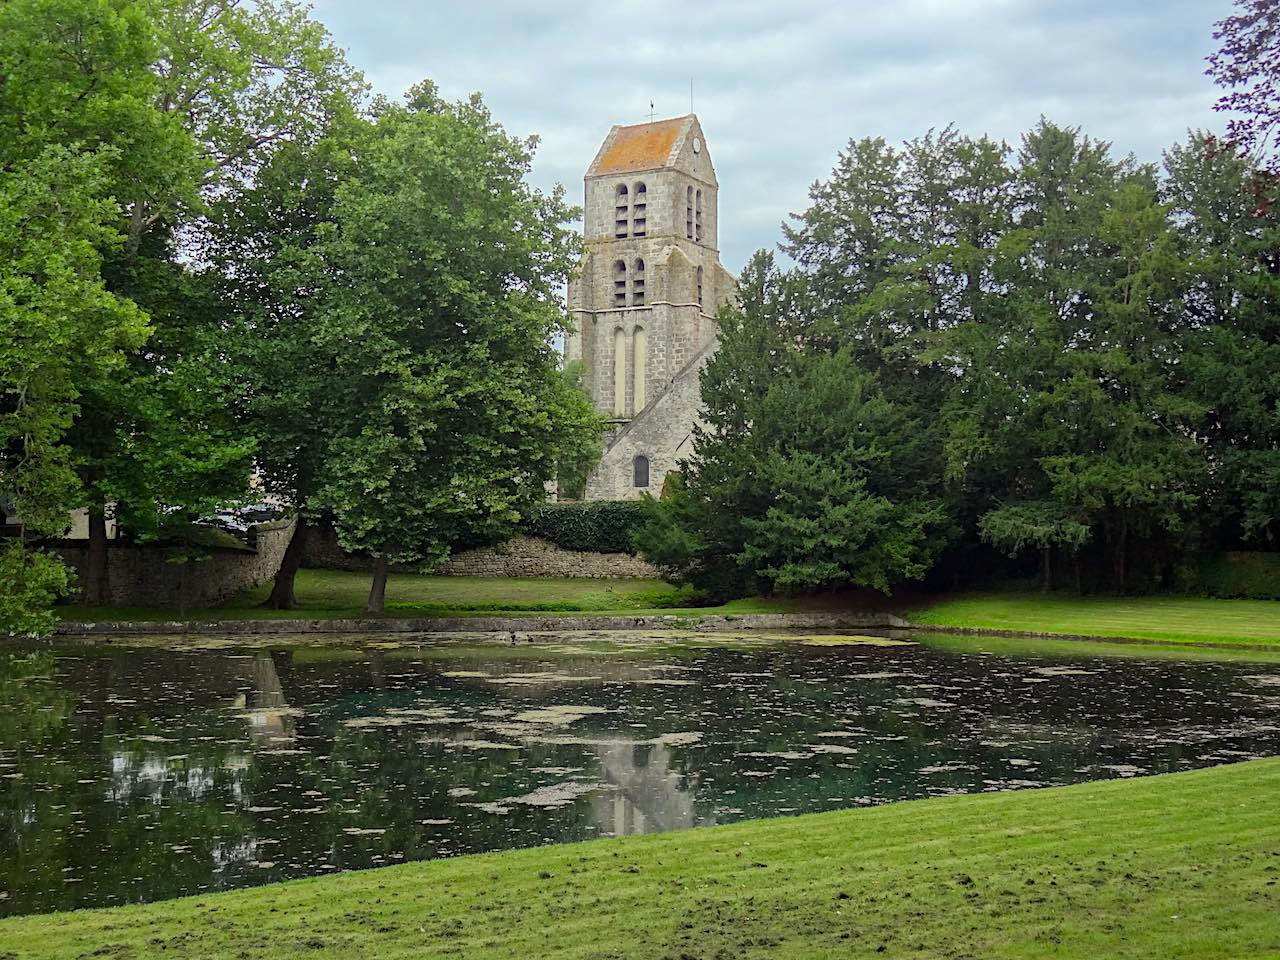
(621, 212)
(638, 207)
(697, 216)
(688, 213)
(639, 368)
(699, 286)
(637, 283)
(619, 372)
(619, 283)
(640, 469)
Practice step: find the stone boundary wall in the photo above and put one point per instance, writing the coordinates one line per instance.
(143, 576)
(535, 557)
(519, 557)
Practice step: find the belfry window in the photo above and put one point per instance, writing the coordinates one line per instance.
(697, 216)
(699, 286)
(640, 471)
(638, 208)
(621, 212)
(688, 213)
(637, 283)
(620, 283)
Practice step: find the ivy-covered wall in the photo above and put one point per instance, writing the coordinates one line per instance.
(599, 526)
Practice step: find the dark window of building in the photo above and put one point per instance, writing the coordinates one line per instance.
(619, 283)
(637, 282)
(621, 212)
(699, 286)
(638, 210)
(697, 216)
(641, 465)
(688, 213)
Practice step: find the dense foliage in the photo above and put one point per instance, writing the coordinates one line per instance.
(216, 256)
(1235, 574)
(601, 526)
(1055, 352)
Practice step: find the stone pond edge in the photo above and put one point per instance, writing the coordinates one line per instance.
(485, 624)
(546, 624)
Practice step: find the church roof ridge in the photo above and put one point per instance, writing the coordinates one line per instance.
(642, 146)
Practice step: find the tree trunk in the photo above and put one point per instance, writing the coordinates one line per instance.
(1047, 565)
(282, 596)
(97, 583)
(378, 592)
(1119, 559)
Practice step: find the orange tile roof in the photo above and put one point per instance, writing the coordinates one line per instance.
(641, 147)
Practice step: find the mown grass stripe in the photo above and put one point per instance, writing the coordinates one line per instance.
(1105, 869)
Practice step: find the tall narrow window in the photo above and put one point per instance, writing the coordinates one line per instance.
(699, 286)
(621, 212)
(688, 213)
(637, 283)
(619, 372)
(619, 283)
(639, 206)
(640, 471)
(697, 216)
(639, 366)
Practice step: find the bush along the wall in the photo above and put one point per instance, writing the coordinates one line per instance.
(602, 526)
(1233, 574)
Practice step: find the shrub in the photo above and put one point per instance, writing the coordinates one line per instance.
(603, 526)
(1253, 575)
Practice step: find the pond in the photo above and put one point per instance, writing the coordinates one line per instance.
(138, 771)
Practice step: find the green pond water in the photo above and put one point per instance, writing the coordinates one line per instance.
(133, 772)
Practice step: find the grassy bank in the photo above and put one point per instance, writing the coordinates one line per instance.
(1171, 619)
(1186, 865)
(342, 593)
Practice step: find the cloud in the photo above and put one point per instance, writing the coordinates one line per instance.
(780, 88)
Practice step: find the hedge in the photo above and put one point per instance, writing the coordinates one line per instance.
(601, 526)
(1247, 574)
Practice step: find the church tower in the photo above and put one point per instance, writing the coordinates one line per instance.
(645, 299)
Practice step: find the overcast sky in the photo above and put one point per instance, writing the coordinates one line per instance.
(780, 87)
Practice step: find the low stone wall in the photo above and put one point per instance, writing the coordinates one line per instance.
(144, 576)
(518, 557)
(534, 557)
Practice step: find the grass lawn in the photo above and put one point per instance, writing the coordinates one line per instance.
(1174, 619)
(1179, 866)
(342, 593)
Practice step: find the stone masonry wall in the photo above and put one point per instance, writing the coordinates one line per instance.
(663, 435)
(534, 557)
(518, 557)
(143, 576)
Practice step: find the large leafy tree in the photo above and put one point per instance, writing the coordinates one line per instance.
(60, 326)
(407, 377)
(228, 84)
(266, 242)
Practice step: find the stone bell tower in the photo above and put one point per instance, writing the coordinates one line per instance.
(645, 299)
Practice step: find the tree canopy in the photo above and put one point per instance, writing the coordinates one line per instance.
(1052, 351)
